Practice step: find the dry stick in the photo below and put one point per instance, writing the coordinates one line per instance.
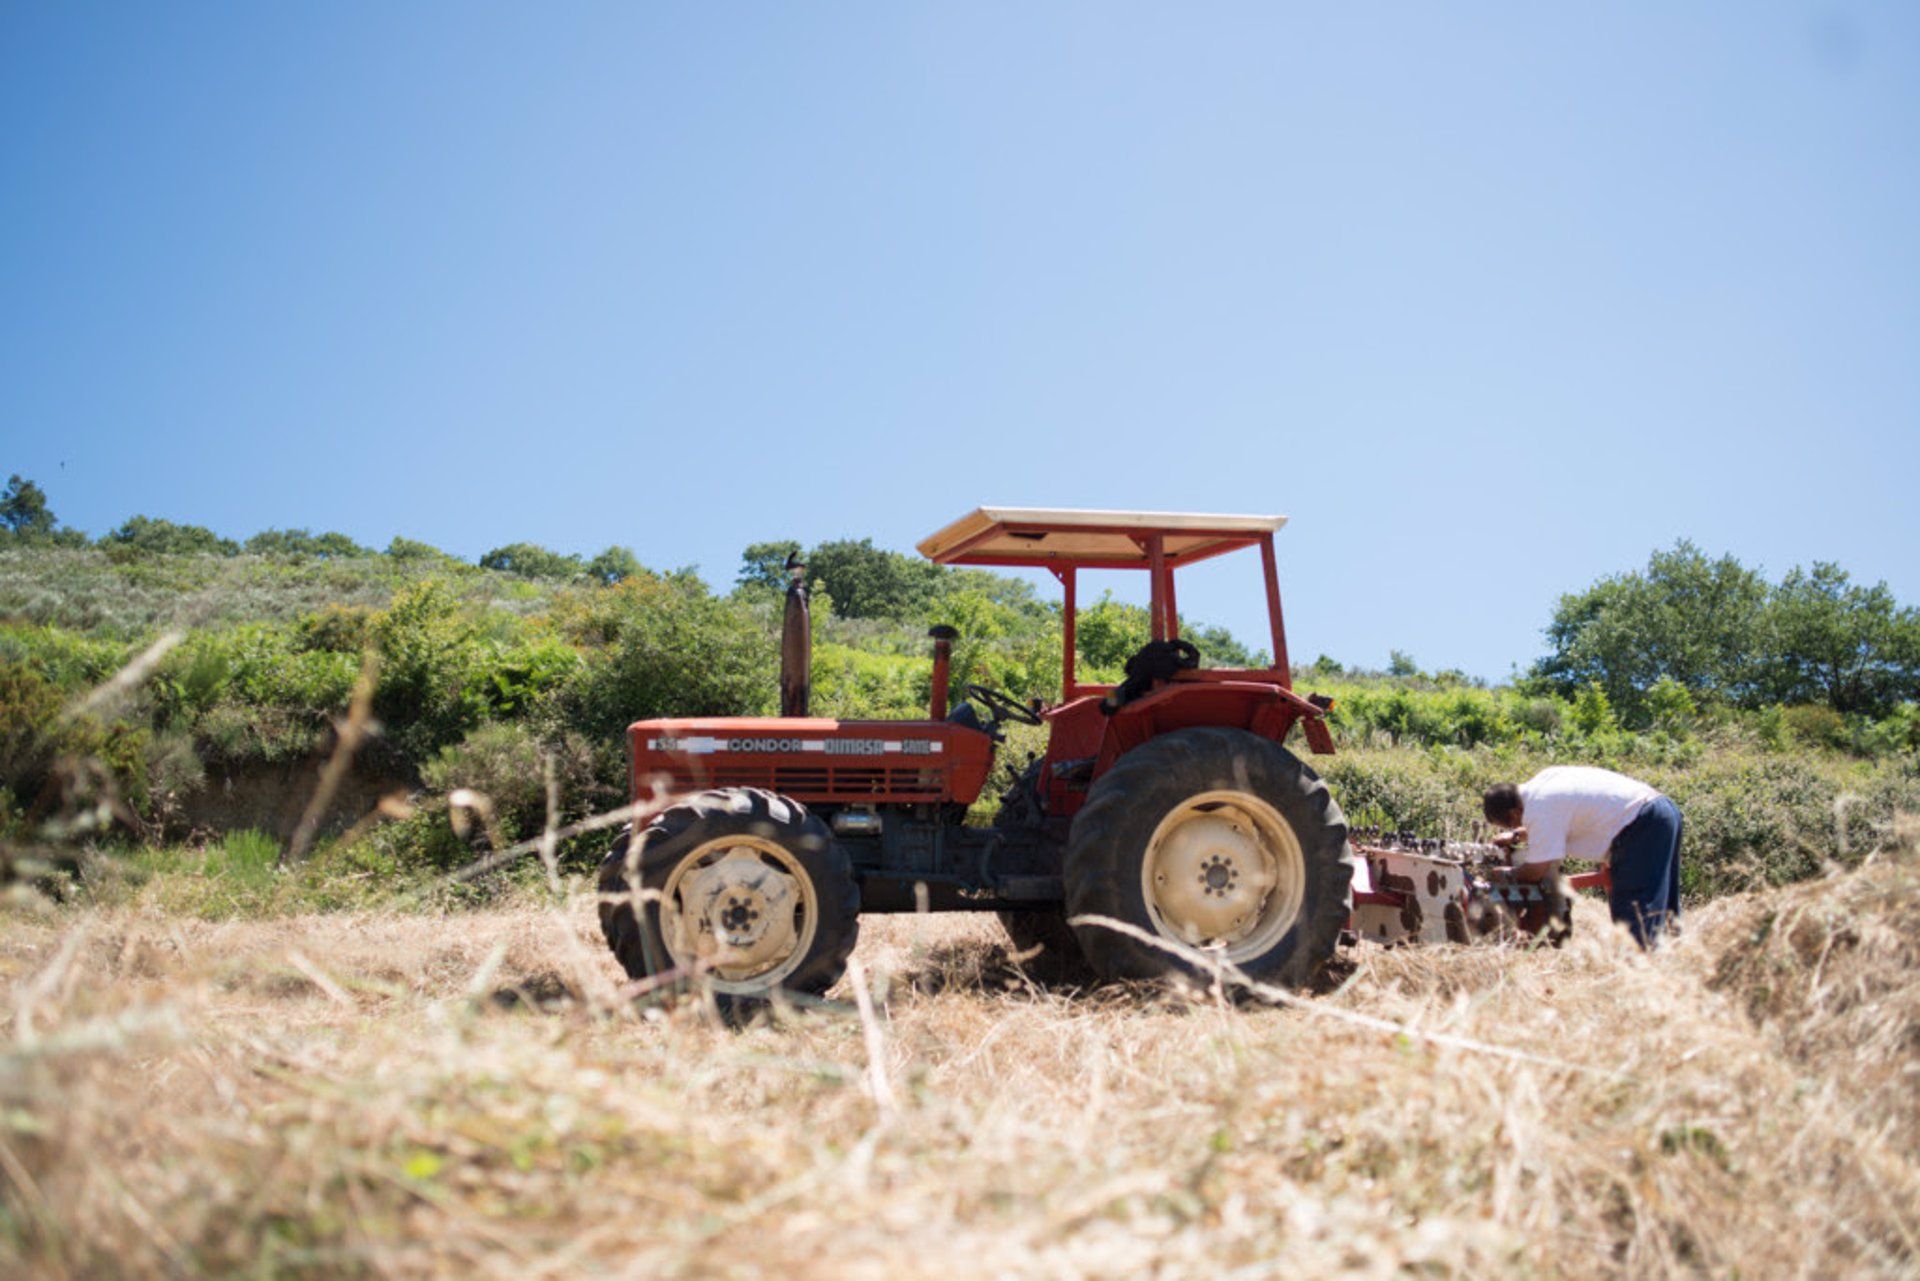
(319, 978)
(351, 731)
(877, 1083)
(126, 678)
(1280, 996)
(549, 856)
(636, 812)
(44, 984)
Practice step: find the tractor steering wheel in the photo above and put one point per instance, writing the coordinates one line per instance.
(1003, 707)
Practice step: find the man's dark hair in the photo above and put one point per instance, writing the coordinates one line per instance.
(1501, 800)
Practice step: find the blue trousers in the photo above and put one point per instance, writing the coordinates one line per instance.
(1645, 866)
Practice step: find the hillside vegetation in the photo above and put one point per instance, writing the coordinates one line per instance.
(1780, 716)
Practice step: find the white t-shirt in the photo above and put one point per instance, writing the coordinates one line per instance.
(1575, 811)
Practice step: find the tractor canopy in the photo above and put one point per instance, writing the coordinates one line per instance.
(1064, 541)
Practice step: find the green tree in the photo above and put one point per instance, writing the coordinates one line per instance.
(763, 566)
(1400, 663)
(23, 509)
(163, 537)
(1108, 632)
(868, 582)
(408, 549)
(1220, 648)
(530, 560)
(614, 565)
(300, 542)
(1829, 640)
(1688, 617)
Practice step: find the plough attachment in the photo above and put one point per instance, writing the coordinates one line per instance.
(1422, 890)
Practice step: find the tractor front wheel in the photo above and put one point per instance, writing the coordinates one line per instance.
(739, 889)
(1218, 840)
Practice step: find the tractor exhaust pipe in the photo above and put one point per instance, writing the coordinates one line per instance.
(942, 671)
(796, 642)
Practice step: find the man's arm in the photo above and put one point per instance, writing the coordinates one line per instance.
(1542, 842)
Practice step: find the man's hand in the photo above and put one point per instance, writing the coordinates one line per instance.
(1507, 840)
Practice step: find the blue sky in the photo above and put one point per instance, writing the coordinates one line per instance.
(1491, 299)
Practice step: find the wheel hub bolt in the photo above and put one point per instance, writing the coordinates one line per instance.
(738, 915)
(1217, 876)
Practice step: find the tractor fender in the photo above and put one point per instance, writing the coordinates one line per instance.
(1258, 707)
(1090, 742)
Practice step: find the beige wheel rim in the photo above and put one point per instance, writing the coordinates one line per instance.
(1224, 871)
(740, 909)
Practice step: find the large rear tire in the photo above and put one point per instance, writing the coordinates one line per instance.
(1216, 839)
(739, 889)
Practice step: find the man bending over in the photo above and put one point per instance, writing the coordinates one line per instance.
(1579, 811)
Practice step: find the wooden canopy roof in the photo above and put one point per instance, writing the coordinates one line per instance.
(1042, 536)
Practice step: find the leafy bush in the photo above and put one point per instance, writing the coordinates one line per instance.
(431, 687)
(665, 647)
(856, 685)
(252, 691)
(1816, 725)
(1400, 791)
(508, 765)
(45, 750)
(337, 629)
(69, 660)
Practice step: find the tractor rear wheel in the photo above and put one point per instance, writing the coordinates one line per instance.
(738, 888)
(1216, 839)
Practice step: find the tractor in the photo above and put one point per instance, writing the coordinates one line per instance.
(1170, 802)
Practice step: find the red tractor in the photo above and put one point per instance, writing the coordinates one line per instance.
(1169, 801)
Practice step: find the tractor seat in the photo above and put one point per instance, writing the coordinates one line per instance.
(964, 715)
(1154, 662)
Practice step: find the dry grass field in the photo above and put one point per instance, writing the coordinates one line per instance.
(470, 1094)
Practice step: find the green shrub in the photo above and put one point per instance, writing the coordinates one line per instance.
(1817, 725)
(251, 692)
(508, 764)
(41, 745)
(1671, 706)
(407, 549)
(1896, 733)
(856, 685)
(337, 629)
(1752, 823)
(1593, 710)
(431, 687)
(69, 660)
(517, 677)
(1400, 791)
(665, 647)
